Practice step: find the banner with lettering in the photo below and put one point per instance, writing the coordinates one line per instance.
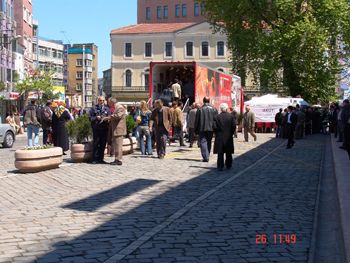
(265, 114)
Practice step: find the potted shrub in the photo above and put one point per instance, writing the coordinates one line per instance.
(80, 132)
(240, 122)
(129, 142)
(38, 158)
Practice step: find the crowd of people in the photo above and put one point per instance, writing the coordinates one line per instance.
(155, 123)
(293, 122)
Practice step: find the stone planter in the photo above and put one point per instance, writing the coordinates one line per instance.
(81, 152)
(129, 145)
(30, 161)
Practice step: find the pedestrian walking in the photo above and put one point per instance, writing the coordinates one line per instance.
(278, 121)
(339, 123)
(143, 127)
(46, 114)
(204, 127)
(99, 125)
(249, 124)
(224, 125)
(235, 114)
(176, 88)
(162, 121)
(190, 124)
(345, 118)
(59, 133)
(178, 123)
(300, 122)
(118, 124)
(32, 121)
(289, 123)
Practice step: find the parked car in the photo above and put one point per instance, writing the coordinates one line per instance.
(7, 135)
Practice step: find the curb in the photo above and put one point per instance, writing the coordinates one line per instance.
(341, 170)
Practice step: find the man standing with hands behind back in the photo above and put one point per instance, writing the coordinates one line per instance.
(118, 123)
(99, 129)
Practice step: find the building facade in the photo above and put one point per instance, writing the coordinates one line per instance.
(23, 14)
(160, 11)
(171, 42)
(82, 74)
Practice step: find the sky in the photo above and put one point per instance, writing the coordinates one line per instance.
(85, 21)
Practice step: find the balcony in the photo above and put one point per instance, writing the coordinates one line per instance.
(140, 92)
(88, 69)
(88, 56)
(87, 81)
(88, 92)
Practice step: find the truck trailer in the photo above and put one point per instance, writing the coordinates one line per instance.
(207, 82)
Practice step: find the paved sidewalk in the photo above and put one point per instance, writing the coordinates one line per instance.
(342, 174)
(178, 209)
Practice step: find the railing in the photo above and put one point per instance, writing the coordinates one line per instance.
(124, 89)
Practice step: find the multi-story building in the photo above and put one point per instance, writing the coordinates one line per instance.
(143, 43)
(177, 11)
(23, 14)
(107, 81)
(82, 74)
(8, 57)
(49, 55)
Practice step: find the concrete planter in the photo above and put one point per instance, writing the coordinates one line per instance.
(129, 145)
(30, 161)
(81, 152)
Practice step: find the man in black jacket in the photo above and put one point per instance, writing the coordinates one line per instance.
(224, 127)
(46, 115)
(99, 129)
(278, 121)
(203, 126)
(32, 120)
(289, 122)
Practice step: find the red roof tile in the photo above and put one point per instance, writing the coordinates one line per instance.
(150, 28)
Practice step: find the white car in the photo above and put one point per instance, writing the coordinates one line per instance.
(7, 135)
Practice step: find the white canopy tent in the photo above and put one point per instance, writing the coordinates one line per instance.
(266, 107)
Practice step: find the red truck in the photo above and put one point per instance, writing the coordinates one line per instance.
(207, 82)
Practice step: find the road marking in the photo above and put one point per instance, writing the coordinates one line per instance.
(147, 236)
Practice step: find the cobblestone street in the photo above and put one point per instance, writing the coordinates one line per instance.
(178, 209)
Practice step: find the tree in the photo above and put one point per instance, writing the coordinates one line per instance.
(291, 44)
(39, 81)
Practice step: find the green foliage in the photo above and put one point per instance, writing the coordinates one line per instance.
(38, 147)
(290, 45)
(130, 124)
(2, 85)
(240, 117)
(79, 130)
(39, 81)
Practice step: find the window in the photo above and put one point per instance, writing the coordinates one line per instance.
(128, 78)
(189, 49)
(205, 49)
(202, 9)
(79, 75)
(196, 9)
(184, 11)
(159, 12)
(88, 75)
(88, 63)
(79, 86)
(220, 49)
(128, 50)
(34, 48)
(59, 69)
(54, 53)
(41, 51)
(168, 49)
(35, 31)
(66, 88)
(166, 11)
(59, 54)
(177, 10)
(221, 69)
(79, 62)
(47, 53)
(148, 13)
(148, 49)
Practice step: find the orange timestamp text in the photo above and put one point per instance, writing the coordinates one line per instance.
(277, 239)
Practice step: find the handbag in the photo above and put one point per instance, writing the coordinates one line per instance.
(138, 118)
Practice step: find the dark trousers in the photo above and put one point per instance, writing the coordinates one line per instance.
(99, 144)
(289, 134)
(347, 138)
(162, 136)
(205, 141)
(192, 135)
(339, 126)
(179, 134)
(228, 161)
(45, 136)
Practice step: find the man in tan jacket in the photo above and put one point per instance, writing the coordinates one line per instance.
(176, 90)
(162, 120)
(178, 124)
(118, 123)
(249, 124)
